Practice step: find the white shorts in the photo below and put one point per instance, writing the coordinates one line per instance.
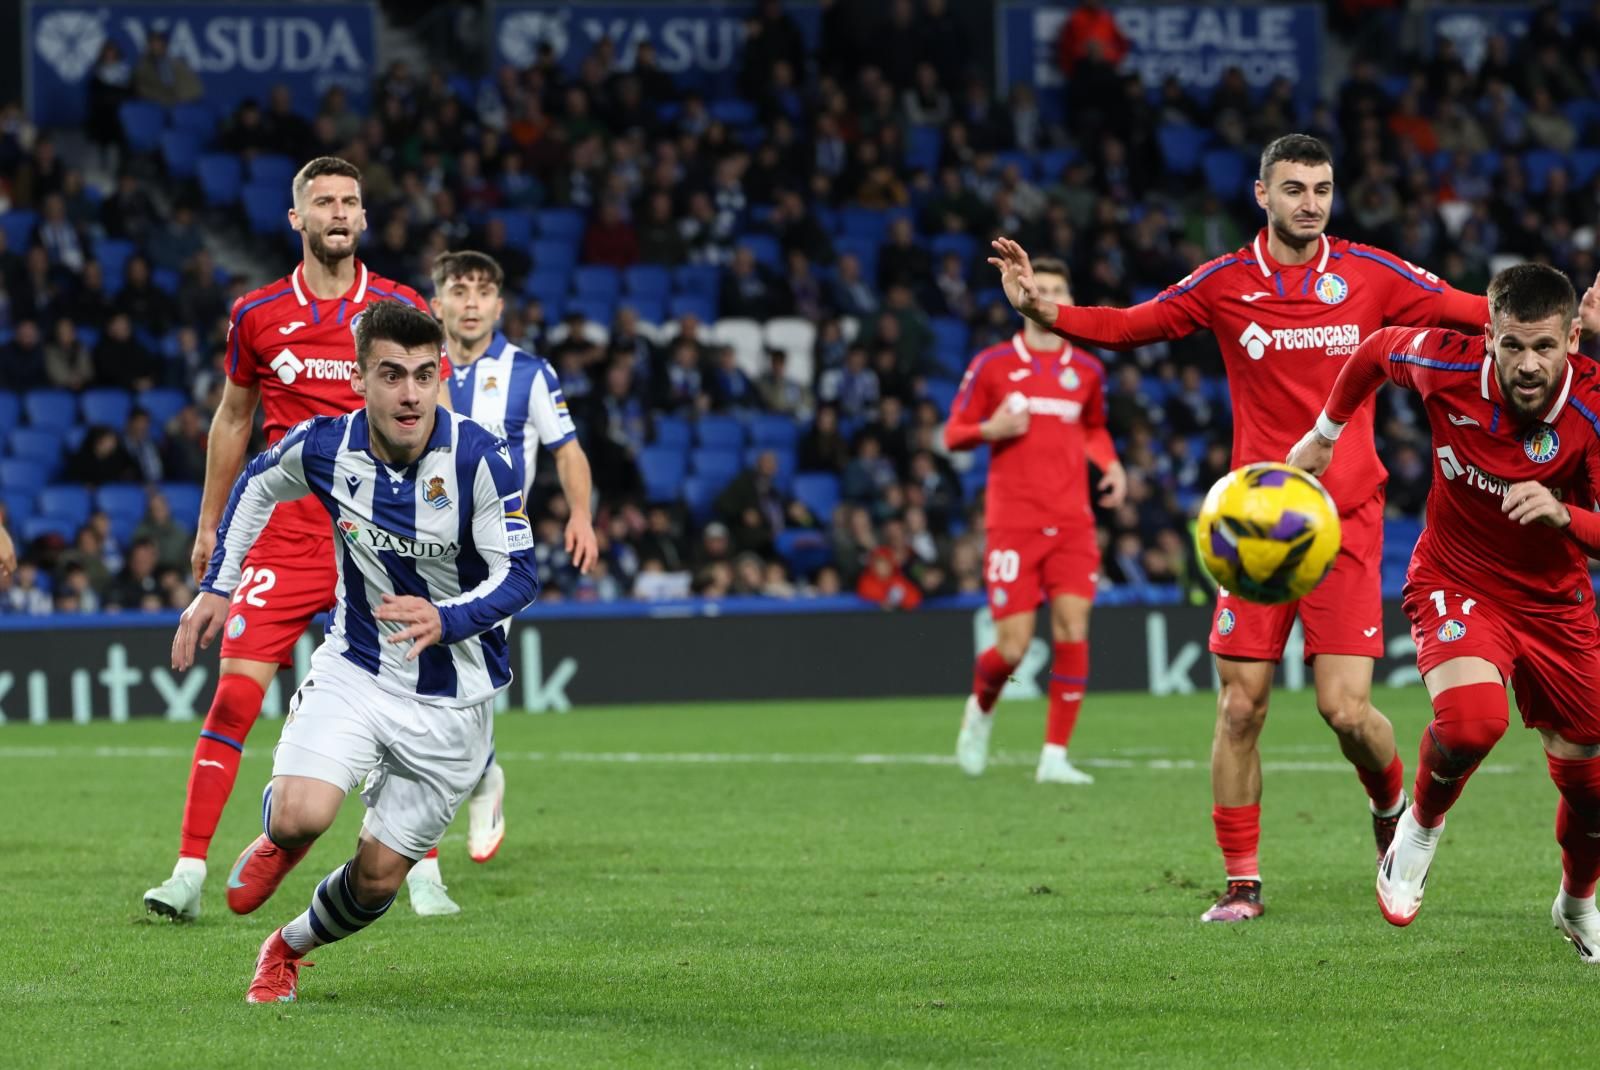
(419, 759)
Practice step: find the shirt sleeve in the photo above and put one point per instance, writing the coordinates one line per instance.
(278, 475)
(502, 535)
(1378, 358)
(547, 409)
(1102, 451)
(1415, 296)
(973, 405)
(242, 361)
(1585, 527)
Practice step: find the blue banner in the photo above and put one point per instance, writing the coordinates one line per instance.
(700, 44)
(1469, 27)
(1196, 44)
(239, 50)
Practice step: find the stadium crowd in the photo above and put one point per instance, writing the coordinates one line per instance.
(794, 275)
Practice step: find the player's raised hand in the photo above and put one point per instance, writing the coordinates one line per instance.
(421, 620)
(200, 622)
(582, 546)
(8, 554)
(205, 544)
(1010, 420)
(1313, 453)
(1528, 502)
(1589, 309)
(1016, 278)
(1113, 486)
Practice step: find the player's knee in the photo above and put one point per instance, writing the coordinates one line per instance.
(375, 881)
(1464, 742)
(293, 822)
(1347, 715)
(1011, 649)
(1241, 712)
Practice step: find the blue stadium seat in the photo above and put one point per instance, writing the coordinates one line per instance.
(1538, 164)
(19, 224)
(167, 280)
(764, 248)
(1583, 165)
(1181, 146)
(719, 432)
(787, 462)
(702, 308)
(1022, 161)
(121, 498)
(1225, 172)
(949, 332)
(818, 492)
(105, 406)
(548, 281)
(557, 254)
(732, 111)
(703, 279)
(270, 169)
(19, 506)
(923, 145)
(972, 483)
(942, 392)
(674, 431)
(184, 500)
(266, 205)
(1054, 161)
(720, 466)
(871, 223)
(52, 409)
(561, 224)
(597, 281)
(196, 119)
(647, 280)
(774, 429)
(162, 403)
(805, 552)
(38, 527)
(66, 501)
(142, 123)
(594, 309)
(964, 246)
(1582, 113)
(648, 309)
(662, 468)
(700, 494)
(519, 226)
(180, 152)
(113, 254)
(220, 177)
(10, 409)
(24, 473)
(865, 250)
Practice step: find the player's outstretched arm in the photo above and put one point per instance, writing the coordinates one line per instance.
(1016, 278)
(1105, 328)
(502, 535)
(572, 468)
(1589, 309)
(1360, 377)
(225, 446)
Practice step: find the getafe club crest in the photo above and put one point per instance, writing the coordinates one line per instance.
(1331, 289)
(1069, 378)
(1541, 443)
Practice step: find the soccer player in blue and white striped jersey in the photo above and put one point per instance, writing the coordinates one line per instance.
(516, 395)
(434, 551)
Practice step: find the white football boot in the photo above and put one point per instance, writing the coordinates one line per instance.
(1054, 768)
(1403, 873)
(427, 890)
(178, 897)
(486, 819)
(1579, 923)
(972, 745)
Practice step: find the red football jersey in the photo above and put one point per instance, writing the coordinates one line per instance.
(301, 351)
(1039, 479)
(1284, 332)
(1481, 451)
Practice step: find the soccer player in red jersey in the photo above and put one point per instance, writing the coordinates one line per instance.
(1499, 589)
(291, 350)
(1040, 405)
(1287, 311)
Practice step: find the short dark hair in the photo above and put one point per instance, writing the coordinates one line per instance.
(467, 264)
(1528, 293)
(1050, 265)
(392, 321)
(322, 165)
(1295, 148)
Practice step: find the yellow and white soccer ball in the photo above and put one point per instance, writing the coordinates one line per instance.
(1268, 532)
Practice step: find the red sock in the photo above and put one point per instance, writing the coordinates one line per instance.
(431, 854)
(1238, 834)
(233, 712)
(1578, 822)
(1383, 787)
(1467, 722)
(1069, 677)
(989, 677)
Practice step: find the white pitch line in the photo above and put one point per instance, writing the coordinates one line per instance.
(1162, 765)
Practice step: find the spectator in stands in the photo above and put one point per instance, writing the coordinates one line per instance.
(751, 290)
(884, 583)
(286, 131)
(756, 508)
(162, 77)
(202, 300)
(73, 594)
(120, 360)
(514, 261)
(173, 244)
(731, 388)
(869, 472)
(35, 289)
(716, 547)
(110, 85)
(171, 539)
(823, 448)
(246, 132)
(87, 555)
(615, 423)
(67, 361)
(142, 301)
(680, 389)
(87, 304)
(129, 213)
(137, 441)
(183, 448)
(779, 393)
(850, 294)
(22, 592)
(137, 580)
(65, 243)
(662, 542)
(610, 239)
(101, 459)
(853, 387)
(22, 360)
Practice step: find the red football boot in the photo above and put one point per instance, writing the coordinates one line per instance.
(258, 872)
(277, 972)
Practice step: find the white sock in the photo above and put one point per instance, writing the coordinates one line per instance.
(1399, 804)
(1572, 906)
(426, 869)
(196, 866)
(1053, 751)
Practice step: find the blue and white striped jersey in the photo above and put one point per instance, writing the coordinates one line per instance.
(517, 396)
(449, 528)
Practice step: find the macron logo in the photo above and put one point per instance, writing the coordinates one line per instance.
(287, 366)
(1255, 341)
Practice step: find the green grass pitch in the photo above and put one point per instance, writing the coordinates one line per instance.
(807, 884)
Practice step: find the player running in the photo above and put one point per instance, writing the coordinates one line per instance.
(517, 396)
(1040, 403)
(1287, 310)
(290, 350)
(1498, 589)
(434, 551)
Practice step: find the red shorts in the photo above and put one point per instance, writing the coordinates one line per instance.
(1024, 566)
(287, 579)
(1344, 615)
(1550, 654)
